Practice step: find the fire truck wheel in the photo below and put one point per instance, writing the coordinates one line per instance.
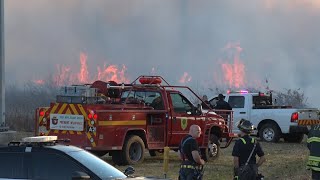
(269, 132)
(213, 150)
(294, 137)
(133, 150)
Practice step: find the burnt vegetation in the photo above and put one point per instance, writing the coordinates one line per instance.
(21, 102)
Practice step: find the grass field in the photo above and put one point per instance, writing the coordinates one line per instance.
(284, 161)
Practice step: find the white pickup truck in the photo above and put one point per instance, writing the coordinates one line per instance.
(272, 122)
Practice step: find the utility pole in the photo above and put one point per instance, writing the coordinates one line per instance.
(2, 84)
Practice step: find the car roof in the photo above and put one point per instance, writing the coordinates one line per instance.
(22, 147)
(65, 148)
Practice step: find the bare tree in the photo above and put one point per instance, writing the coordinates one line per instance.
(22, 102)
(293, 97)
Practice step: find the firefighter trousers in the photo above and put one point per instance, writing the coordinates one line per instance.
(189, 174)
(315, 175)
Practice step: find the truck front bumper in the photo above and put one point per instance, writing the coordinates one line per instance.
(299, 129)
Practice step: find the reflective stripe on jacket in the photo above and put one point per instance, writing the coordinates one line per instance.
(314, 147)
(244, 141)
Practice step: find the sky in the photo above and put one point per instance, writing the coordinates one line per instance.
(203, 44)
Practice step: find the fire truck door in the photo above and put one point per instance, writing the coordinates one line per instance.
(182, 116)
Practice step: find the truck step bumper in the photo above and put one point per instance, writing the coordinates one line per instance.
(299, 129)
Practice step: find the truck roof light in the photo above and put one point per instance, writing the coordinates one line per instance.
(150, 80)
(244, 92)
(40, 139)
(241, 92)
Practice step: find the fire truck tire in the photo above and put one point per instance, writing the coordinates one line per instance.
(294, 137)
(213, 150)
(270, 132)
(133, 150)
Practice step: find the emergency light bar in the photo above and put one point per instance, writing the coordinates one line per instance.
(241, 92)
(40, 139)
(150, 80)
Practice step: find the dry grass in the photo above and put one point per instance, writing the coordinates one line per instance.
(285, 161)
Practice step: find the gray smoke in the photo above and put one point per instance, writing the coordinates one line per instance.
(279, 39)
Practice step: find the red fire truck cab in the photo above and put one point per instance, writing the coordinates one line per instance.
(125, 120)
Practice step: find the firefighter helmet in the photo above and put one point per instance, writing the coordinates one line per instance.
(245, 126)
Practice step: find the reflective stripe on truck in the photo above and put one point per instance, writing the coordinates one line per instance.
(308, 122)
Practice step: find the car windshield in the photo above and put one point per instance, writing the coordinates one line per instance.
(104, 170)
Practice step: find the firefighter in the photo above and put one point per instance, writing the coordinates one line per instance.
(222, 104)
(313, 141)
(192, 163)
(242, 149)
(205, 103)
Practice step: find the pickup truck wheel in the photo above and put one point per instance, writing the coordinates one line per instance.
(133, 150)
(269, 132)
(294, 137)
(213, 150)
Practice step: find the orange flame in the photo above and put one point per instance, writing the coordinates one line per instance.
(83, 75)
(185, 78)
(234, 73)
(112, 73)
(39, 81)
(65, 76)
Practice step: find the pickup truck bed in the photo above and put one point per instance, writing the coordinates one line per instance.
(271, 122)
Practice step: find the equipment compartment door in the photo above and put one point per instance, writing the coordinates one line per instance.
(156, 133)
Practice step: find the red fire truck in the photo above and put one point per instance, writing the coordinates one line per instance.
(125, 120)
